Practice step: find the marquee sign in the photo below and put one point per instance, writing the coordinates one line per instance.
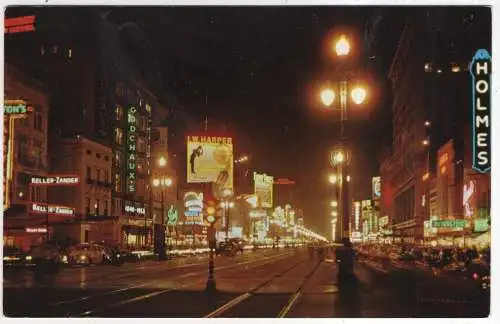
(36, 230)
(480, 70)
(449, 223)
(52, 209)
(61, 180)
(131, 149)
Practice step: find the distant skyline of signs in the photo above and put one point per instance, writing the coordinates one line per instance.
(263, 188)
(210, 160)
(480, 70)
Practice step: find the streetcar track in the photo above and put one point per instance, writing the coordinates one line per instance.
(268, 259)
(235, 301)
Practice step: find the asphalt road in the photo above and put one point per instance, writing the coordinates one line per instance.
(266, 283)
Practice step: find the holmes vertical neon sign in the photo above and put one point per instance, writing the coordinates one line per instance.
(131, 149)
(480, 70)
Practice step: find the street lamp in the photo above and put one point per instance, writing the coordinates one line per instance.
(332, 178)
(339, 157)
(334, 213)
(327, 97)
(358, 95)
(163, 183)
(342, 46)
(162, 161)
(334, 203)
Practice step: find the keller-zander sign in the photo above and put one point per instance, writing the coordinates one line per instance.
(480, 70)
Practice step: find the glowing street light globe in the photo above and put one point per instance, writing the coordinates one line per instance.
(327, 97)
(334, 204)
(156, 182)
(342, 47)
(162, 161)
(168, 182)
(332, 178)
(358, 95)
(339, 157)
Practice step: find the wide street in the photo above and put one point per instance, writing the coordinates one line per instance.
(266, 283)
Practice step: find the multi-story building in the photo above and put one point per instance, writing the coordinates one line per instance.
(26, 111)
(104, 94)
(90, 162)
(430, 64)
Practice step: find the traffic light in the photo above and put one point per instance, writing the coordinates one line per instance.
(210, 212)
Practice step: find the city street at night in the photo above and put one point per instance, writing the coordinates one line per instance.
(285, 283)
(247, 161)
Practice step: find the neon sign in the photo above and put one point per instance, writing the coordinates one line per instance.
(480, 70)
(55, 180)
(36, 230)
(357, 212)
(467, 201)
(131, 149)
(193, 203)
(19, 24)
(51, 209)
(17, 108)
(135, 210)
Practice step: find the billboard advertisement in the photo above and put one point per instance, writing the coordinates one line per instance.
(210, 159)
(193, 208)
(263, 187)
(376, 188)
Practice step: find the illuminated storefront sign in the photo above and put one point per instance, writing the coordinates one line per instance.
(131, 149)
(135, 210)
(480, 71)
(52, 209)
(449, 223)
(284, 181)
(468, 200)
(376, 188)
(36, 230)
(210, 159)
(55, 180)
(19, 24)
(481, 225)
(357, 214)
(258, 213)
(16, 108)
(193, 204)
(263, 188)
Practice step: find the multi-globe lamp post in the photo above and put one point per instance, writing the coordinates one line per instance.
(340, 157)
(227, 204)
(162, 182)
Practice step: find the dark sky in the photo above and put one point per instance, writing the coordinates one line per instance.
(258, 71)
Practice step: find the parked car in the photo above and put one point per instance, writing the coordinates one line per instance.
(45, 257)
(87, 254)
(15, 257)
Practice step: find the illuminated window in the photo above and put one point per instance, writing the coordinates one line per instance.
(70, 53)
(119, 112)
(428, 67)
(97, 207)
(141, 145)
(119, 136)
(118, 183)
(118, 159)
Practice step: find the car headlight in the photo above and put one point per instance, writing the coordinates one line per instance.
(29, 258)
